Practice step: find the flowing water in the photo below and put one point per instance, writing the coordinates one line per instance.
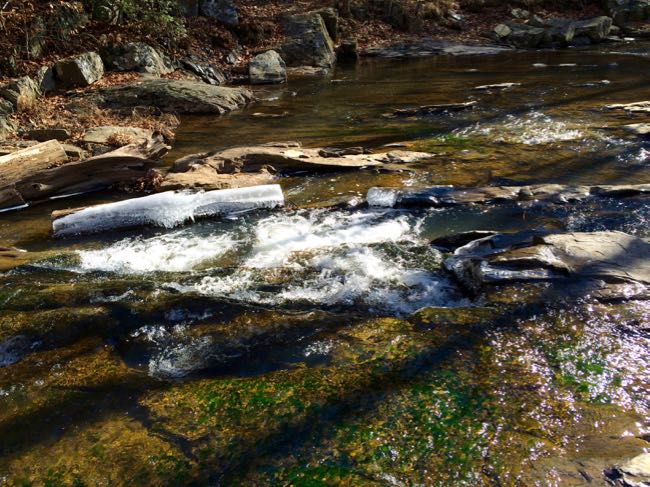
(321, 346)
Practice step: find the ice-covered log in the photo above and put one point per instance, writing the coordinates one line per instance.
(167, 209)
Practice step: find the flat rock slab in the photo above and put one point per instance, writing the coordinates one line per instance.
(637, 107)
(432, 48)
(178, 96)
(207, 178)
(614, 264)
(641, 129)
(499, 86)
(432, 109)
(440, 196)
(110, 134)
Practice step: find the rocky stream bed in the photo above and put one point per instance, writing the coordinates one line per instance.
(449, 286)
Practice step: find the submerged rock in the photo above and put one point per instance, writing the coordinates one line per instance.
(177, 96)
(433, 109)
(642, 129)
(609, 264)
(499, 86)
(267, 68)
(430, 47)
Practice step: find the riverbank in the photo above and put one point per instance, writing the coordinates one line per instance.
(217, 51)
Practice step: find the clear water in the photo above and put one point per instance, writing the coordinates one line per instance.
(292, 347)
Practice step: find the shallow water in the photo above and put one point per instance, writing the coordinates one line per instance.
(319, 346)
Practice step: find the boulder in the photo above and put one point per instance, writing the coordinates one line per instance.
(112, 135)
(178, 96)
(21, 93)
(613, 265)
(523, 36)
(79, 71)
(502, 31)
(308, 41)
(45, 79)
(596, 29)
(136, 56)
(267, 68)
(222, 10)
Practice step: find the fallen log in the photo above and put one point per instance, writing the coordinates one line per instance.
(41, 172)
(22, 163)
(166, 210)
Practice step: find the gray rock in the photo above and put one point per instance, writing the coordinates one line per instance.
(136, 56)
(431, 47)
(208, 74)
(106, 135)
(267, 68)
(581, 41)
(561, 34)
(520, 14)
(45, 79)
(79, 71)
(309, 43)
(43, 135)
(222, 10)
(21, 93)
(502, 31)
(524, 36)
(596, 29)
(177, 96)
(612, 264)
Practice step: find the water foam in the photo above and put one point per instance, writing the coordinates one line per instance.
(179, 251)
(533, 128)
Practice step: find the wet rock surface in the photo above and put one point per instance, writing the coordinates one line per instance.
(611, 264)
(429, 48)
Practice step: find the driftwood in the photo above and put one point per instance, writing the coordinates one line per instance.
(40, 172)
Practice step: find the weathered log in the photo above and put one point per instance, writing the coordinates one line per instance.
(21, 164)
(167, 209)
(45, 175)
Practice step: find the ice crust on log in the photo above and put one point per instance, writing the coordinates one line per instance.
(167, 209)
